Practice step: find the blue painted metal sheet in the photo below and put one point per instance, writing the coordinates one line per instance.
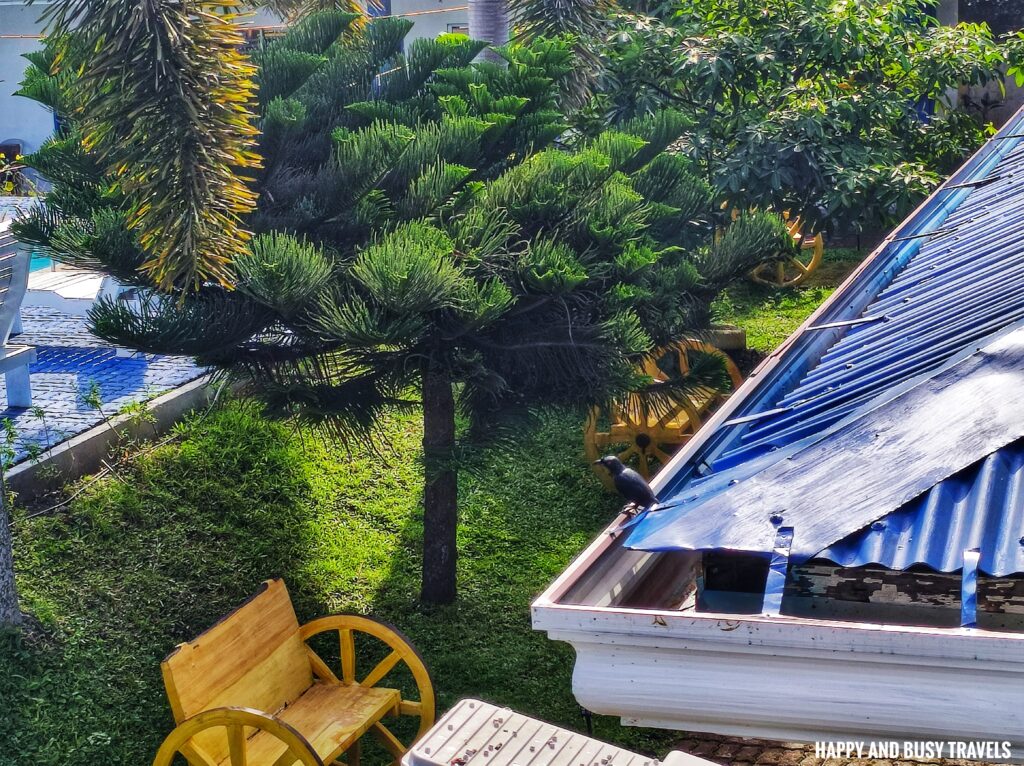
(969, 589)
(981, 507)
(867, 466)
(951, 283)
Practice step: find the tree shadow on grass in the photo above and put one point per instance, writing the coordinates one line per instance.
(133, 567)
(524, 515)
(154, 557)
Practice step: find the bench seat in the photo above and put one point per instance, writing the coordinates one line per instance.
(251, 691)
(332, 718)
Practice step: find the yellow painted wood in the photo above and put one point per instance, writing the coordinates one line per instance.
(253, 658)
(650, 435)
(222, 722)
(383, 668)
(398, 643)
(331, 718)
(244, 693)
(236, 745)
(389, 740)
(797, 268)
(348, 655)
(320, 668)
(353, 754)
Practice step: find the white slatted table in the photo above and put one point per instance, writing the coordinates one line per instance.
(475, 733)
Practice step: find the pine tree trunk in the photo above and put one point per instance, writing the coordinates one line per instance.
(489, 21)
(440, 494)
(10, 614)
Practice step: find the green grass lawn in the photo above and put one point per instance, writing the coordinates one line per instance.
(139, 564)
(186, 532)
(770, 315)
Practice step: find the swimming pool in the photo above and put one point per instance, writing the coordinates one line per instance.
(11, 207)
(39, 262)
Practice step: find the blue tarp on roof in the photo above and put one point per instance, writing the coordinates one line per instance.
(949, 283)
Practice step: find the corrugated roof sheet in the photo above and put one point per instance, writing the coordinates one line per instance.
(864, 467)
(982, 507)
(951, 281)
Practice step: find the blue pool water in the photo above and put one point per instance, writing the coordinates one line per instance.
(39, 262)
(10, 207)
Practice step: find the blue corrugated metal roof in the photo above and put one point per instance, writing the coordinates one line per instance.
(922, 303)
(982, 507)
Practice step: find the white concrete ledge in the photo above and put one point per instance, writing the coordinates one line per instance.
(84, 454)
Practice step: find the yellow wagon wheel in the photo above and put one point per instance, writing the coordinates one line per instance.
(632, 430)
(349, 627)
(238, 724)
(793, 270)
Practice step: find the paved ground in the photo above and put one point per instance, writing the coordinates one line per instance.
(70, 362)
(11, 206)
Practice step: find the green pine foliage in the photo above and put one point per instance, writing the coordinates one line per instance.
(165, 99)
(421, 216)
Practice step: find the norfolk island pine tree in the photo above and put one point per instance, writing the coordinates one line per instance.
(417, 231)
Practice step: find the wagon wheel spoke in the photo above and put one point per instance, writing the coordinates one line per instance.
(353, 754)
(799, 266)
(668, 417)
(320, 668)
(383, 667)
(391, 743)
(236, 745)
(399, 652)
(230, 725)
(663, 457)
(625, 454)
(347, 645)
(684, 360)
(409, 707)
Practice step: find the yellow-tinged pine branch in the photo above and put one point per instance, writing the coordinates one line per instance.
(168, 106)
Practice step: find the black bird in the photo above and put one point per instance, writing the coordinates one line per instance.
(629, 483)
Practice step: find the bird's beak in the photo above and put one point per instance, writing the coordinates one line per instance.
(597, 462)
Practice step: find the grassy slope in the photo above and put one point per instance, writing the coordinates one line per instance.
(135, 566)
(768, 315)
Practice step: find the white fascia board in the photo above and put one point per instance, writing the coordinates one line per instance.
(792, 678)
(757, 634)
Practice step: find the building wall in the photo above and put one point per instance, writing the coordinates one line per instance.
(432, 17)
(21, 120)
(1003, 17)
(28, 123)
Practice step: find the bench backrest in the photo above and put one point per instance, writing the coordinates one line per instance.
(14, 268)
(253, 658)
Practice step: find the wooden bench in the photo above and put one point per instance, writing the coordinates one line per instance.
(250, 691)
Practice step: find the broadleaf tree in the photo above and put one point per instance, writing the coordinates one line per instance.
(425, 236)
(846, 113)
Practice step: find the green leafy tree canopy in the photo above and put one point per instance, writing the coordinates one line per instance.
(842, 112)
(421, 229)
